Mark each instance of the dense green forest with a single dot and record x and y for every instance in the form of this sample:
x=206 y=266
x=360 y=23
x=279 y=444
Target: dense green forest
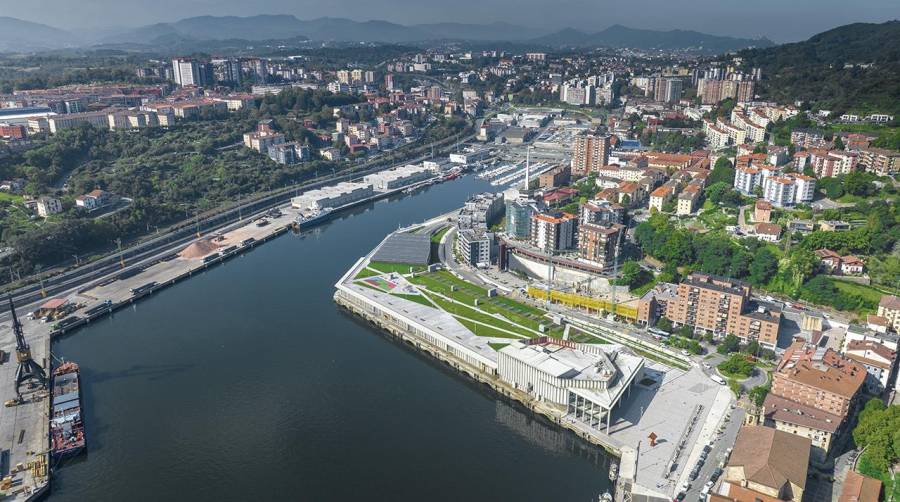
x=850 y=68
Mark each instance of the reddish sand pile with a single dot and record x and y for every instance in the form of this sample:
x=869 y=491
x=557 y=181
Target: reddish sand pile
x=199 y=249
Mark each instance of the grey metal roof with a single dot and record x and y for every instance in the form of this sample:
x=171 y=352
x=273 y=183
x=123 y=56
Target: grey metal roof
x=405 y=248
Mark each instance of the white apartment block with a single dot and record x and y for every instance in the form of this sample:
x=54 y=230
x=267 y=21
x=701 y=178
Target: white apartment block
x=746 y=179
x=788 y=189
x=716 y=137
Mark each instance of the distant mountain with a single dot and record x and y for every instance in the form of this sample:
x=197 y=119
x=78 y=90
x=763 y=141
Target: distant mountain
x=849 y=68
x=618 y=36
x=273 y=27
x=19 y=35
x=484 y=32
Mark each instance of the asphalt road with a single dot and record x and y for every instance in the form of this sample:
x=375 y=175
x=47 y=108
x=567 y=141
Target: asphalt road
x=718 y=455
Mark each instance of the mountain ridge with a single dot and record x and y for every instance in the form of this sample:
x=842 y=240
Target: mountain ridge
x=618 y=36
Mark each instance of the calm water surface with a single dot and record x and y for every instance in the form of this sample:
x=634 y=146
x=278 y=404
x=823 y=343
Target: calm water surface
x=246 y=382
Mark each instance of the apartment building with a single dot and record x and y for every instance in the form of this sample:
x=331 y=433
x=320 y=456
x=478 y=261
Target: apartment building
x=600 y=244
x=661 y=196
x=668 y=90
x=753 y=132
x=187 y=72
x=789 y=189
x=818 y=377
x=59 y=122
x=879 y=361
x=553 y=232
x=808 y=138
x=880 y=161
x=716 y=136
x=746 y=179
x=712 y=91
x=830 y=163
x=889 y=308
x=601 y=213
x=723 y=306
x=589 y=153
x=556 y=177
x=688 y=200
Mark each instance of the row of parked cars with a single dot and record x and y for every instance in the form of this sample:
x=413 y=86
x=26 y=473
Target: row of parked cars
x=695 y=472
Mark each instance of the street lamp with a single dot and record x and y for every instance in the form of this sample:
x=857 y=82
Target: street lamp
x=121 y=255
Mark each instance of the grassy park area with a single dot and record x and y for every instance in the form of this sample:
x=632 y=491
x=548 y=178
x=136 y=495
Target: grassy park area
x=397 y=268
x=475 y=304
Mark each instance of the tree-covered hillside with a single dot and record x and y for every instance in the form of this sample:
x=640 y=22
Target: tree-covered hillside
x=850 y=68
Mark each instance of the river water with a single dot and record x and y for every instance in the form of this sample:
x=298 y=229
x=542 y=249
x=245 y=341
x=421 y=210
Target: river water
x=246 y=382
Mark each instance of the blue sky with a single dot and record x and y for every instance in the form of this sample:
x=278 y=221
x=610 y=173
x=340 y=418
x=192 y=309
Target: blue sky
x=780 y=20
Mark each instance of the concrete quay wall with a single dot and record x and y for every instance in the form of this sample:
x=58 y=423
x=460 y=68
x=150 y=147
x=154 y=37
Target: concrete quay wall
x=553 y=414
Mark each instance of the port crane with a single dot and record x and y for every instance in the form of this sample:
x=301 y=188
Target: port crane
x=29 y=370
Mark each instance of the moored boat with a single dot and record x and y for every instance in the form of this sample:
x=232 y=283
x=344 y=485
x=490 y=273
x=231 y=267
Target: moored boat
x=66 y=425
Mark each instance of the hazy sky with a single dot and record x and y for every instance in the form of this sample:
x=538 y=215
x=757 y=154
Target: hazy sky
x=780 y=20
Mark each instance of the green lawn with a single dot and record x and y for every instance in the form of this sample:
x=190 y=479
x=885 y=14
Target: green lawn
x=497 y=346
x=716 y=219
x=487 y=331
x=6 y=196
x=869 y=293
x=437 y=236
x=463 y=311
x=366 y=272
x=582 y=337
x=416 y=298
x=467 y=293
x=642 y=290
x=399 y=268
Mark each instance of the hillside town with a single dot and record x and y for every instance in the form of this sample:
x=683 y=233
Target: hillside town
x=665 y=257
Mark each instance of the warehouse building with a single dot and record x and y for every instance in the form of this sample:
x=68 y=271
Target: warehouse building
x=333 y=196
x=398 y=177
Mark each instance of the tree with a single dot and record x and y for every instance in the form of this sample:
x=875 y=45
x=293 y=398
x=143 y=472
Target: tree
x=632 y=275
x=686 y=331
x=763 y=267
x=859 y=183
x=664 y=324
x=758 y=394
x=737 y=365
x=729 y=344
x=838 y=143
x=831 y=187
x=723 y=171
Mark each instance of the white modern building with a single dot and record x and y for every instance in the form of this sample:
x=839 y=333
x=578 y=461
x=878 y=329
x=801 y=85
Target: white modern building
x=587 y=379
x=333 y=196
x=398 y=177
x=746 y=179
x=186 y=72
